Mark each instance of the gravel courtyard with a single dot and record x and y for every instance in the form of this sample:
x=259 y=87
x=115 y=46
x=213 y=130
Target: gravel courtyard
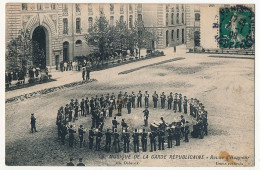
x=224 y=85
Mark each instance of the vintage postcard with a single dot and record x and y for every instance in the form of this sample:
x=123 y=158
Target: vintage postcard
x=130 y=84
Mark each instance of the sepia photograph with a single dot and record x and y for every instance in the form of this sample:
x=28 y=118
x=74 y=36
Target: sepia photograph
x=129 y=84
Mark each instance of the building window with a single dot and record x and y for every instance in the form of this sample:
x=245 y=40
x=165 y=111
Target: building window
x=177 y=7
x=172 y=18
x=111 y=8
x=90 y=22
x=172 y=35
x=182 y=18
x=140 y=17
x=167 y=18
x=167 y=8
x=130 y=8
x=77 y=7
x=178 y=34
x=197 y=17
x=111 y=20
x=177 y=18
x=78 y=43
x=65 y=26
x=53 y=6
x=130 y=21
x=121 y=18
x=39 y=7
x=121 y=9
x=78 y=25
x=24 y=6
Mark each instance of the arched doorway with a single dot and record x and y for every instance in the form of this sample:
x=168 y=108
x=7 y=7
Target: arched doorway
x=66 y=51
x=39 y=38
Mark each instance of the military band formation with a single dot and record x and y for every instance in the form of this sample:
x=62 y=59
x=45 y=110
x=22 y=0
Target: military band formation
x=107 y=107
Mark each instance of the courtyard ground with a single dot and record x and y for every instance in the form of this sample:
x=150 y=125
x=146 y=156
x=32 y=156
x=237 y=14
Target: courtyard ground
x=224 y=85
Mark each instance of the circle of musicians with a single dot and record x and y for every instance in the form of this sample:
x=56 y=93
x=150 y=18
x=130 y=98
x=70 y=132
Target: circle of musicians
x=99 y=108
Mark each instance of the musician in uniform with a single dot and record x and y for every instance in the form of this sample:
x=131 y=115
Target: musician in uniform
x=133 y=99
x=71 y=135
x=86 y=106
x=170 y=137
x=82 y=107
x=128 y=106
x=201 y=128
x=155 y=99
x=81 y=132
x=152 y=137
x=64 y=132
x=182 y=124
x=136 y=141
x=180 y=103
x=139 y=99
x=185 y=101
x=33 y=123
x=146 y=115
x=175 y=102
x=114 y=124
x=170 y=99
x=126 y=139
x=187 y=131
x=91 y=137
x=144 y=140
x=178 y=133
x=80 y=162
x=110 y=110
x=163 y=98
x=161 y=141
x=98 y=139
x=76 y=113
x=108 y=140
x=92 y=104
x=116 y=141
x=70 y=163
x=191 y=107
x=146 y=99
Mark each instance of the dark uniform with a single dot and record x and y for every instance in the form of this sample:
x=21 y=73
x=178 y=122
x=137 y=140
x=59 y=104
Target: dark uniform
x=82 y=107
x=136 y=141
x=91 y=135
x=180 y=103
x=33 y=123
x=70 y=163
x=152 y=137
x=108 y=140
x=175 y=100
x=191 y=106
x=144 y=140
x=133 y=100
x=64 y=132
x=163 y=98
x=116 y=142
x=81 y=133
x=161 y=141
x=146 y=99
x=86 y=106
x=126 y=139
x=80 y=162
x=92 y=104
x=110 y=110
x=170 y=99
x=201 y=128
x=129 y=106
x=98 y=139
x=114 y=124
x=155 y=99
x=139 y=99
x=178 y=134
x=185 y=101
x=76 y=114
x=71 y=136
x=146 y=115
x=187 y=131
x=170 y=137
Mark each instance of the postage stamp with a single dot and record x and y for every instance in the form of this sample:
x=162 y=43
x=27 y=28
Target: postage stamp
x=129 y=85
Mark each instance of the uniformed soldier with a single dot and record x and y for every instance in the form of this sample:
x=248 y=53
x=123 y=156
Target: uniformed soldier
x=170 y=137
x=187 y=131
x=182 y=125
x=71 y=136
x=101 y=100
x=146 y=99
x=110 y=110
x=81 y=132
x=139 y=99
x=70 y=163
x=64 y=132
x=178 y=133
x=92 y=104
x=161 y=140
x=144 y=140
x=76 y=113
x=98 y=139
x=133 y=99
x=170 y=99
x=155 y=99
x=70 y=114
x=146 y=115
x=114 y=124
x=33 y=123
x=86 y=106
x=201 y=128
x=129 y=106
x=120 y=106
x=175 y=100
x=76 y=102
x=96 y=100
x=152 y=137
x=82 y=107
x=72 y=103
x=116 y=141
x=119 y=96
x=108 y=140
x=91 y=135
x=124 y=125
x=180 y=103
x=59 y=125
x=185 y=101
x=163 y=98
x=136 y=141
x=126 y=139
x=80 y=162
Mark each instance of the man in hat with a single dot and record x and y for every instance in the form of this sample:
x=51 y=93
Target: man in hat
x=133 y=99
x=114 y=123
x=92 y=104
x=139 y=99
x=191 y=107
x=178 y=133
x=116 y=141
x=161 y=140
x=110 y=110
x=91 y=135
x=82 y=107
x=98 y=139
x=152 y=137
x=70 y=163
x=128 y=105
x=88 y=73
x=81 y=133
x=108 y=140
x=83 y=73
x=185 y=101
x=187 y=131
x=71 y=135
x=146 y=99
x=144 y=140
x=146 y=115
x=170 y=137
x=170 y=99
x=136 y=141
x=201 y=128
x=163 y=98
x=175 y=100
x=126 y=139
x=86 y=106
x=180 y=103
x=80 y=162
x=155 y=99
x=33 y=123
